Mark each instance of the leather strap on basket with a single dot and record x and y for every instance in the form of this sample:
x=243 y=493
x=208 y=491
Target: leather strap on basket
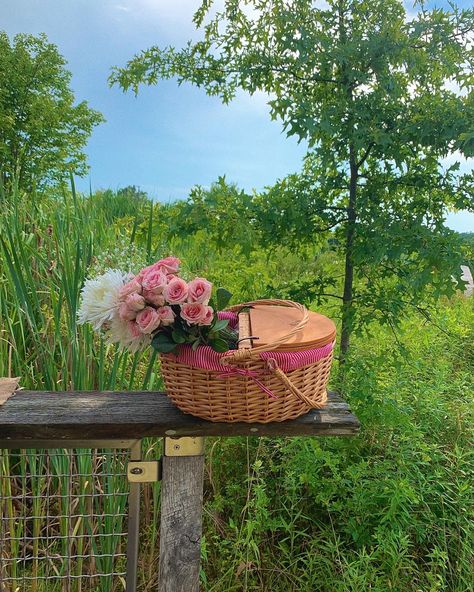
x=240 y=355
x=278 y=372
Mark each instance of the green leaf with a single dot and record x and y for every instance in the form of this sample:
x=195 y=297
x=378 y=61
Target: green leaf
x=163 y=343
x=196 y=344
x=223 y=298
x=219 y=345
x=220 y=324
x=179 y=336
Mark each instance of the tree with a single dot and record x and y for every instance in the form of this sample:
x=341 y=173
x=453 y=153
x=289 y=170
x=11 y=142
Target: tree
x=375 y=94
x=42 y=131
x=223 y=210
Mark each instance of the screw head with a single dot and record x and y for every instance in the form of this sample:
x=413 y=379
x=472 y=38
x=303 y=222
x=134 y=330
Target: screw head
x=136 y=471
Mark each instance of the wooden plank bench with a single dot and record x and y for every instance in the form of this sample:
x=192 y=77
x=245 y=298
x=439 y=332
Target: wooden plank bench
x=55 y=419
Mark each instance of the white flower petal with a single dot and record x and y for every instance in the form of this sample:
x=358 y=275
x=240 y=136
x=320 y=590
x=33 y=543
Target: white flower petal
x=100 y=298
x=119 y=332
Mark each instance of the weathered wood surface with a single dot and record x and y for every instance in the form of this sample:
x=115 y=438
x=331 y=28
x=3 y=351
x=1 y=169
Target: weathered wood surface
x=35 y=415
x=181 y=523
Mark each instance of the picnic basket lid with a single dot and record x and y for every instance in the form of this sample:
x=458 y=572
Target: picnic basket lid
x=271 y=323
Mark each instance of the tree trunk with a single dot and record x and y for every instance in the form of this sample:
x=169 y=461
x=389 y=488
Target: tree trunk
x=348 y=293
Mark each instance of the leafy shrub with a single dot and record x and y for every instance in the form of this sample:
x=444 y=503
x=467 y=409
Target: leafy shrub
x=388 y=510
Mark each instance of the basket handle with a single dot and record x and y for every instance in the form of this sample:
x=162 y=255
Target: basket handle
x=245 y=354
x=314 y=404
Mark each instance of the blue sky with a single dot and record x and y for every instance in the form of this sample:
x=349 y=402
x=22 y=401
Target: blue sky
x=169 y=138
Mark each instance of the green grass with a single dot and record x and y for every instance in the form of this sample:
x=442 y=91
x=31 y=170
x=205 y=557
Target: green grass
x=58 y=504
x=389 y=510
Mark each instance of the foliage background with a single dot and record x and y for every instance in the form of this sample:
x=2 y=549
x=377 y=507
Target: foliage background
x=42 y=131
x=363 y=223
x=388 y=510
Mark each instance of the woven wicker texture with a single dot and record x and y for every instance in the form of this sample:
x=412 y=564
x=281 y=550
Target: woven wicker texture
x=239 y=397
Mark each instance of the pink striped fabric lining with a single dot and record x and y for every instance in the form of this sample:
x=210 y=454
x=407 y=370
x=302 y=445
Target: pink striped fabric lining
x=230 y=316
x=205 y=357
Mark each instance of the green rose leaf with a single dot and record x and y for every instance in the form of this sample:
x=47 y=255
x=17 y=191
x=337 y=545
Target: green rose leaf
x=223 y=297
x=178 y=336
x=219 y=345
x=221 y=324
x=163 y=343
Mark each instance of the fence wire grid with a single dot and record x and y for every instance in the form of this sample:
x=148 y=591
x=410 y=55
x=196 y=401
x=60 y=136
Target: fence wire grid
x=63 y=520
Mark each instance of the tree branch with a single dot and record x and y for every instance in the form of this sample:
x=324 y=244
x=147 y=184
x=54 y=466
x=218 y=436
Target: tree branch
x=366 y=155
x=330 y=295
x=331 y=225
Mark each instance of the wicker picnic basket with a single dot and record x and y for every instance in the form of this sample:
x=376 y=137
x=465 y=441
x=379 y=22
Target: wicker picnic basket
x=274 y=381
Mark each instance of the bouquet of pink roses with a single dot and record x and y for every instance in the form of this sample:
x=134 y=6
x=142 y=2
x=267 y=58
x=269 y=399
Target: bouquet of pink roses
x=156 y=307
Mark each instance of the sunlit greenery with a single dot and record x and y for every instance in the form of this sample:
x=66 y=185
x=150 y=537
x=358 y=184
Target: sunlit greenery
x=358 y=234
x=381 y=96
x=388 y=510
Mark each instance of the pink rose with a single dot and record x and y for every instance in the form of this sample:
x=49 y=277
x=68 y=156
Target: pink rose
x=142 y=272
x=208 y=316
x=152 y=298
x=154 y=281
x=168 y=264
x=176 y=291
x=135 y=302
x=148 y=320
x=131 y=287
x=134 y=329
x=126 y=313
x=199 y=290
x=166 y=315
x=193 y=312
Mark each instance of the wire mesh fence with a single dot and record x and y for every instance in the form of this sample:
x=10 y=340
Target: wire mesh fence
x=63 y=520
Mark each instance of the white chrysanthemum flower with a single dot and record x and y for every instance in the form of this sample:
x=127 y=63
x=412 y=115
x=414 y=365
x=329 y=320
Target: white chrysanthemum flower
x=100 y=298
x=120 y=332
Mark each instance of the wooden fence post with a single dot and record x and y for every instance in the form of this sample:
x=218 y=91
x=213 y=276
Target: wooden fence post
x=181 y=514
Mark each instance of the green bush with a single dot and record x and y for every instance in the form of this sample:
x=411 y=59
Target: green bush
x=389 y=510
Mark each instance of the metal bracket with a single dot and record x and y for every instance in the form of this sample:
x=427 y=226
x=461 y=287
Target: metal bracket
x=140 y=471
x=185 y=446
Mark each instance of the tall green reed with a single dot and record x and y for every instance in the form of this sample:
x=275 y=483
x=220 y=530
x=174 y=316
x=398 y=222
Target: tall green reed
x=48 y=245
x=46 y=251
